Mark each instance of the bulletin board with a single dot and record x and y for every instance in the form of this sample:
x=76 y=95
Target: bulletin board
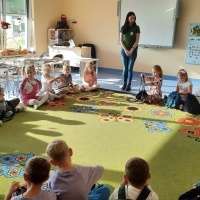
x=193 y=47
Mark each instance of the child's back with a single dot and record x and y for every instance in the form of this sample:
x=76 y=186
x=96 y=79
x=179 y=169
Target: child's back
x=74 y=184
x=70 y=182
x=43 y=195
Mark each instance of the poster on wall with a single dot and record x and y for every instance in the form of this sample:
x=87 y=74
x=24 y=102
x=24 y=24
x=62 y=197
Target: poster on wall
x=193 y=47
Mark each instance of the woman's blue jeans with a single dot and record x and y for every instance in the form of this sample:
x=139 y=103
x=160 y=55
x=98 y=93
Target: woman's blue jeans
x=128 y=63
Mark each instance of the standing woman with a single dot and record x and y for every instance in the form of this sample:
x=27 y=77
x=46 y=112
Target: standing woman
x=129 y=39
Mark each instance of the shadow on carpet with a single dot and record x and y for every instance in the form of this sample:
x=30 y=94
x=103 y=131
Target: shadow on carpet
x=105 y=128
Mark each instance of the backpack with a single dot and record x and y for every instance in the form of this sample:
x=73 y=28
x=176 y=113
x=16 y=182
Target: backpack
x=142 y=196
x=173 y=100
x=142 y=94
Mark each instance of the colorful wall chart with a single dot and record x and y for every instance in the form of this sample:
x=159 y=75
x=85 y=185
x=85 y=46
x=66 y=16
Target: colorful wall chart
x=193 y=48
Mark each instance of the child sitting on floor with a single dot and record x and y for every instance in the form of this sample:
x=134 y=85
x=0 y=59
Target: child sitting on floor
x=36 y=172
x=155 y=83
x=184 y=86
x=71 y=182
x=8 y=108
x=134 y=182
x=193 y=194
x=47 y=79
x=66 y=83
x=89 y=78
x=30 y=87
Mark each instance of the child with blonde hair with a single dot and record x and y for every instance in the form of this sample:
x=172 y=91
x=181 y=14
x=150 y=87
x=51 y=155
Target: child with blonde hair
x=89 y=78
x=184 y=87
x=47 y=80
x=36 y=173
x=71 y=182
x=155 y=83
x=66 y=83
x=30 y=87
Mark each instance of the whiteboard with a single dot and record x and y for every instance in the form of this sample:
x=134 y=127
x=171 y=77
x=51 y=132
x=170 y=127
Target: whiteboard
x=156 y=19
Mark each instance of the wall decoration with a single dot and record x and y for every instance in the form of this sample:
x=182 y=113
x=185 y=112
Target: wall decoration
x=193 y=48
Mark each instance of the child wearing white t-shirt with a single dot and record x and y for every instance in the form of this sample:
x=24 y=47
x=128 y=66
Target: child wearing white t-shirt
x=47 y=80
x=135 y=182
x=184 y=85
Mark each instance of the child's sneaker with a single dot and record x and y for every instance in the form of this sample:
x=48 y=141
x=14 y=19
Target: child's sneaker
x=9 y=114
x=20 y=109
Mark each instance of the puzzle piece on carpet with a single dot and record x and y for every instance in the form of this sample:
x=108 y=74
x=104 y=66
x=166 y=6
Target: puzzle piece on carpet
x=156 y=126
x=10 y=159
x=11 y=171
x=110 y=117
x=82 y=109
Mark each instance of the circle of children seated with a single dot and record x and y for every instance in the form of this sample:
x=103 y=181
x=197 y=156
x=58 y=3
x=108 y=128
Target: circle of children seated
x=82 y=182
x=35 y=93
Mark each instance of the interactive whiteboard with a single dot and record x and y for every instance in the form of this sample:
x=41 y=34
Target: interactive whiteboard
x=156 y=19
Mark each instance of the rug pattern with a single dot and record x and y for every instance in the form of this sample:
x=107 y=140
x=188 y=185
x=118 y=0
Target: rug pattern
x=97 y=117
x=125 y=113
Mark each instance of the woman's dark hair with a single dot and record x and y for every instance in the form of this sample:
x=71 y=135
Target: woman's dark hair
x=126 y=23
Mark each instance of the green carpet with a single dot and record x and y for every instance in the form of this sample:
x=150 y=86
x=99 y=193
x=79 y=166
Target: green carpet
x=105 y=128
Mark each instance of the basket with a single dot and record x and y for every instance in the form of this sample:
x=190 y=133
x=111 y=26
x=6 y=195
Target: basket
x=12 y=52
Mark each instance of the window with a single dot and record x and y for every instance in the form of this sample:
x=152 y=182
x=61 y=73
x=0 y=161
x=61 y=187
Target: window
x=15 y=13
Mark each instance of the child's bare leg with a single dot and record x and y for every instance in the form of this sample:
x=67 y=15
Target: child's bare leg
x=42 y=99
x=56 y=96
x=33 y=102
x=94 y=87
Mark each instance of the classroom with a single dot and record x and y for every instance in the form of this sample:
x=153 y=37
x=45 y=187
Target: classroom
x=103 y=127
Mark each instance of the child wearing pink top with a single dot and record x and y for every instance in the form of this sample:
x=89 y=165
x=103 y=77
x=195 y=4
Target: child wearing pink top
x=89 y=78
x=155 y=83
x=29 y=88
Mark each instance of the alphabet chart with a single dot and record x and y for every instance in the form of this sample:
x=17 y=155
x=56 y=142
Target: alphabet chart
x=193 y=47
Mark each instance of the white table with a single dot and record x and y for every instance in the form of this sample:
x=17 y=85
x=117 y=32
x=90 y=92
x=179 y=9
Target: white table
x=82 y=62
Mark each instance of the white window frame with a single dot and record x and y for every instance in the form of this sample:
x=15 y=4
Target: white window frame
x=10 y=34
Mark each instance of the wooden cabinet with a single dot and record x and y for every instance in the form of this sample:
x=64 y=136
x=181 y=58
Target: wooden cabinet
x=59 y=37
